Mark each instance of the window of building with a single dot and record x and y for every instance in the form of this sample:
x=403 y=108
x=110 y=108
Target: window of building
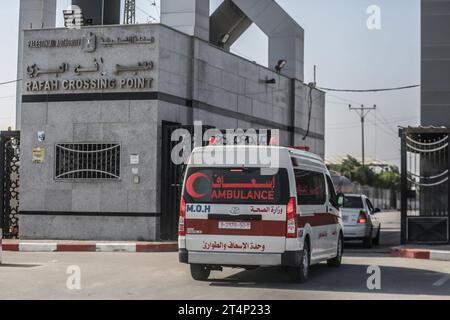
x=311 y=188
x=87 y=161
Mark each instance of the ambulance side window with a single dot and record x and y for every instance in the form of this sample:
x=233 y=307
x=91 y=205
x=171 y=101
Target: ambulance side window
x=311 y=189
x=333 y=197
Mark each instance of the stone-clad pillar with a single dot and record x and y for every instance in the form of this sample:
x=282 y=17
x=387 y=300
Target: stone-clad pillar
x=286 y=37
x=33 y=14
x=188 y=16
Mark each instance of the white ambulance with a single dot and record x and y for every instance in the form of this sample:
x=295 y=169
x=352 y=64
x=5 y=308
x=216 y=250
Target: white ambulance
x=251 y=215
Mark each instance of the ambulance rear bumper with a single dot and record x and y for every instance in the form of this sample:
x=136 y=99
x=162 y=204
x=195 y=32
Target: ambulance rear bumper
x=288 y=258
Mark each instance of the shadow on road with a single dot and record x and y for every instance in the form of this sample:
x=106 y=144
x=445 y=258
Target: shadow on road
x=347 y=278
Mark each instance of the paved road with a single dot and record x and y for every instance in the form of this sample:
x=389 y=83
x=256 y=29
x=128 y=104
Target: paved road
x=160 y=276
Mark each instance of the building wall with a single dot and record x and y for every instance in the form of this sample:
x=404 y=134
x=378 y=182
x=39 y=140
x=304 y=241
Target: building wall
x=192 y=80
x=229 y=91
x=33 y=14
x=435 y=63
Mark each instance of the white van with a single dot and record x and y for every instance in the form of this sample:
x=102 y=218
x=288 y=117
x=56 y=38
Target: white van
x=245 y=216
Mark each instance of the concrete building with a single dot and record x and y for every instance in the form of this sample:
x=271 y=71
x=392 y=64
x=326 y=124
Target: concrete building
x=34 y=14
x=95 y=102
x=435 y=109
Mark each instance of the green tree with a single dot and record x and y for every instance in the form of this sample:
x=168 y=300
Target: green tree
x=390 y=179
x=356 y=172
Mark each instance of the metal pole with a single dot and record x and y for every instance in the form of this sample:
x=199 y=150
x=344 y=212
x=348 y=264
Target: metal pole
x=293 y=113
x=403 y=187
x=315 y=75
x=448 y=191
x=362 y=141
x=362 y=112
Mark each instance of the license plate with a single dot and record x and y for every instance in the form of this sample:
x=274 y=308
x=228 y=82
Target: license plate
x=345 y=218
x=227 y=225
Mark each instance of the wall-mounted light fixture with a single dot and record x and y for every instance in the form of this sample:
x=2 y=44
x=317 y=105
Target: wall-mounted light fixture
x=280 y=65
x=224 y=39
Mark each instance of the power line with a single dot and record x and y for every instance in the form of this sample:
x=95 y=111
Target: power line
x=11 y=81
x=363 y=112
x=7 y=97
x=344 y=99
x=146 y=13
x=391 y=129
x=350 y=125
x=153 y=3
x=387 y=127
x=337 y=102
x=370 y=90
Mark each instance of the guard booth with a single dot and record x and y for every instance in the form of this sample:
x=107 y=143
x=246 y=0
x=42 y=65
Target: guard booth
x=425 y=178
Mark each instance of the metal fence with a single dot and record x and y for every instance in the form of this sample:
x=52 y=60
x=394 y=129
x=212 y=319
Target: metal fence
x=384 y=199
x=425 y=185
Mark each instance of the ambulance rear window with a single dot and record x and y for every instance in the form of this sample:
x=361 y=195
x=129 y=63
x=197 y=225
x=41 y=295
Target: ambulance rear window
x=235 y=186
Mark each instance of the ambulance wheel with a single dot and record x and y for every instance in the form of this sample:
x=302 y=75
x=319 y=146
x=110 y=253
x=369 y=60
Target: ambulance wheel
x=336 y=261
x=300 y=273
x=199 y=272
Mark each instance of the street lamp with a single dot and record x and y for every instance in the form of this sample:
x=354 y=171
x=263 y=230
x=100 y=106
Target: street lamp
x=280 y=65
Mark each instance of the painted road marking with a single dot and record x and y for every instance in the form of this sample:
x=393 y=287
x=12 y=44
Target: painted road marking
x=441 y=281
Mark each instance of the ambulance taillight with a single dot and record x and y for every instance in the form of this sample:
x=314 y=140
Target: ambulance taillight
x=291 y=218
x=182 y=219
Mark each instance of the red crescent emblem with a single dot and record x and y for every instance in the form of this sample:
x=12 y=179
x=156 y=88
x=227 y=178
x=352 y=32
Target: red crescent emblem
x=190 y=185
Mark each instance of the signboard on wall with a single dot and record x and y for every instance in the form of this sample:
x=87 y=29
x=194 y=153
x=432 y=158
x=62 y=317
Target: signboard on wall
x=81 y=61
x=38 y=155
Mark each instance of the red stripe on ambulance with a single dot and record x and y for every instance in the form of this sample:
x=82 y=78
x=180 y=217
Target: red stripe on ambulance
x=318 y=220
x=258 y=228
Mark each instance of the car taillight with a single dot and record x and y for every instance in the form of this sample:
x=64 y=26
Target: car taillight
x=182 y=220
x=291 y=219
x=362 y=219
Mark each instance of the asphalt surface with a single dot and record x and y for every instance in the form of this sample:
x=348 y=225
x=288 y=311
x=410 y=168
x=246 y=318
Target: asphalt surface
x=160 y=276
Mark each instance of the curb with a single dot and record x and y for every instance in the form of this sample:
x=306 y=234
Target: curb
x=90 y=247
x=423 y=254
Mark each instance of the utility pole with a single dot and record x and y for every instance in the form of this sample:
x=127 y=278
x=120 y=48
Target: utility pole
x=362 y=112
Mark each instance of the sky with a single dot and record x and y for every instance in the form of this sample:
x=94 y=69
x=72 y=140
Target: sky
x=348 y=55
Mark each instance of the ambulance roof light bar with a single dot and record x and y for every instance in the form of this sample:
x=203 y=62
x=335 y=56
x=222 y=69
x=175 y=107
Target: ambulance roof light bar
x=302 y=148
x=273 y=141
